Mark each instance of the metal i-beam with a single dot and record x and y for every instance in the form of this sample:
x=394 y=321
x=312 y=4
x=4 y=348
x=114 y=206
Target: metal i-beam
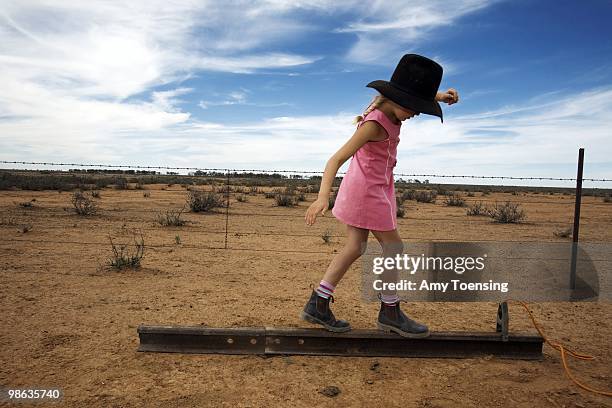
x=375 y=343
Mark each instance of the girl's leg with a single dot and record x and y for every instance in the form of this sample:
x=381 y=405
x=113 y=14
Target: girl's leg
x=317 y=308
x=391 y=318
x=392 y=245
x=357 y=239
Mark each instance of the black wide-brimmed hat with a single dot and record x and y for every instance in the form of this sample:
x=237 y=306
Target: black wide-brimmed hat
x=414 y=85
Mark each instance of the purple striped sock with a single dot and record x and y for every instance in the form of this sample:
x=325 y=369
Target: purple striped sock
x=390 y=299
x=325 y=289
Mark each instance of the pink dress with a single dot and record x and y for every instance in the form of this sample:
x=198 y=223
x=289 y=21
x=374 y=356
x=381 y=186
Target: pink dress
x=366 y=197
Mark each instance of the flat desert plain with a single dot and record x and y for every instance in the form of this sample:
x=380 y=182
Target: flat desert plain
x=68 y=322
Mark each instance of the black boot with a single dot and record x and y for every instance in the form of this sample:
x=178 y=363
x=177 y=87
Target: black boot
x=392 y=319
x=317 y=311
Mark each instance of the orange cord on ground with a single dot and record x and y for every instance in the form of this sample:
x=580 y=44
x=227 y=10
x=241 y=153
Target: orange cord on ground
x=562 y=349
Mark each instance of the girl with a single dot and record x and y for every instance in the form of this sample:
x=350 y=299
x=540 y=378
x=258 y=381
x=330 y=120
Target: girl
x=366 y=196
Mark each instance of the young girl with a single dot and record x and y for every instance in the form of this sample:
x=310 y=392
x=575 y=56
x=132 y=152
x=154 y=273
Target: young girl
x=366 y=197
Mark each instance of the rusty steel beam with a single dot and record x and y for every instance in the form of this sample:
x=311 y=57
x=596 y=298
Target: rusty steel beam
x=374 y=343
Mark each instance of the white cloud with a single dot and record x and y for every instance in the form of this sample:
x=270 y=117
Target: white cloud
x=533 y=140
x=516 y=140
x=61 y=60
x=388 y=28
x=78 y=82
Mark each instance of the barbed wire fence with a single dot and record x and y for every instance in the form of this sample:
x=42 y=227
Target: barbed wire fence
x=233 y=183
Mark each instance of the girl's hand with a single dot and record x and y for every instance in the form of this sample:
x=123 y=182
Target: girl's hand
x=451 y=96
x=318 y=206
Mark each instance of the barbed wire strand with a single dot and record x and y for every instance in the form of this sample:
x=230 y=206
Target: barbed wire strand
x=224 y=170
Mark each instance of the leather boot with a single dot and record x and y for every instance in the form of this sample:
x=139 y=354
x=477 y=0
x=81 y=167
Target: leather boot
x=317 y=311
x=392 y=319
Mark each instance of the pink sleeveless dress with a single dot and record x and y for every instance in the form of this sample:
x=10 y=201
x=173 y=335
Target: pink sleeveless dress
x=366 y=197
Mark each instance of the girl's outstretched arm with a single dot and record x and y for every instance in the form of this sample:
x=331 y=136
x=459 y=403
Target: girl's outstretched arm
x=450 y=96
x=370 y=130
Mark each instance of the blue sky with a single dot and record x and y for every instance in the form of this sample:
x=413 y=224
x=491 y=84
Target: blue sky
x=275 y=84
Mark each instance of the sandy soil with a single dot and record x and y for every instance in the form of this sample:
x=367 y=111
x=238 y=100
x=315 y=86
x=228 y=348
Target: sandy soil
x=67 y=323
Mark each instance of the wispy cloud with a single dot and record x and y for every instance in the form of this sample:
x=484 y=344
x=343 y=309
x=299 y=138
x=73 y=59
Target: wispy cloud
x=523 y=141
x=389 y=27
x=238 y=98
x=517 y=139
x=63 y=59
x=105 y=81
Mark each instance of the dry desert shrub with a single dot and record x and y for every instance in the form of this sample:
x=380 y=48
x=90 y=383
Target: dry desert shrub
x=83 y=205
x=253 y=190
x=204 y=201
x=326 y=236
x=563 y=233
x=426 y=197
x=507 y=213
x=171 y=218
x=408 y=195
x=454 y=200
x=285 y=200
x=125 y=256
x=477 y=209
x=121 y=183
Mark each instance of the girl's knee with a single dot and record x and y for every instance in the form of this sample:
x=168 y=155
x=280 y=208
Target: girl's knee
x=356 y=249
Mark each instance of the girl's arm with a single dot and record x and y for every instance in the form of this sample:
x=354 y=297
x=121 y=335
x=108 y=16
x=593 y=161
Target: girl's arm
x=370 y=130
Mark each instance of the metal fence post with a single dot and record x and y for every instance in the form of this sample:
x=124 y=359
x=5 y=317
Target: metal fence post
x=576 y=218
x=227 y=192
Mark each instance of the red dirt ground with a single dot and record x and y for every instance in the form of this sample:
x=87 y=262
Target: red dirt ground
x=68 y=323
